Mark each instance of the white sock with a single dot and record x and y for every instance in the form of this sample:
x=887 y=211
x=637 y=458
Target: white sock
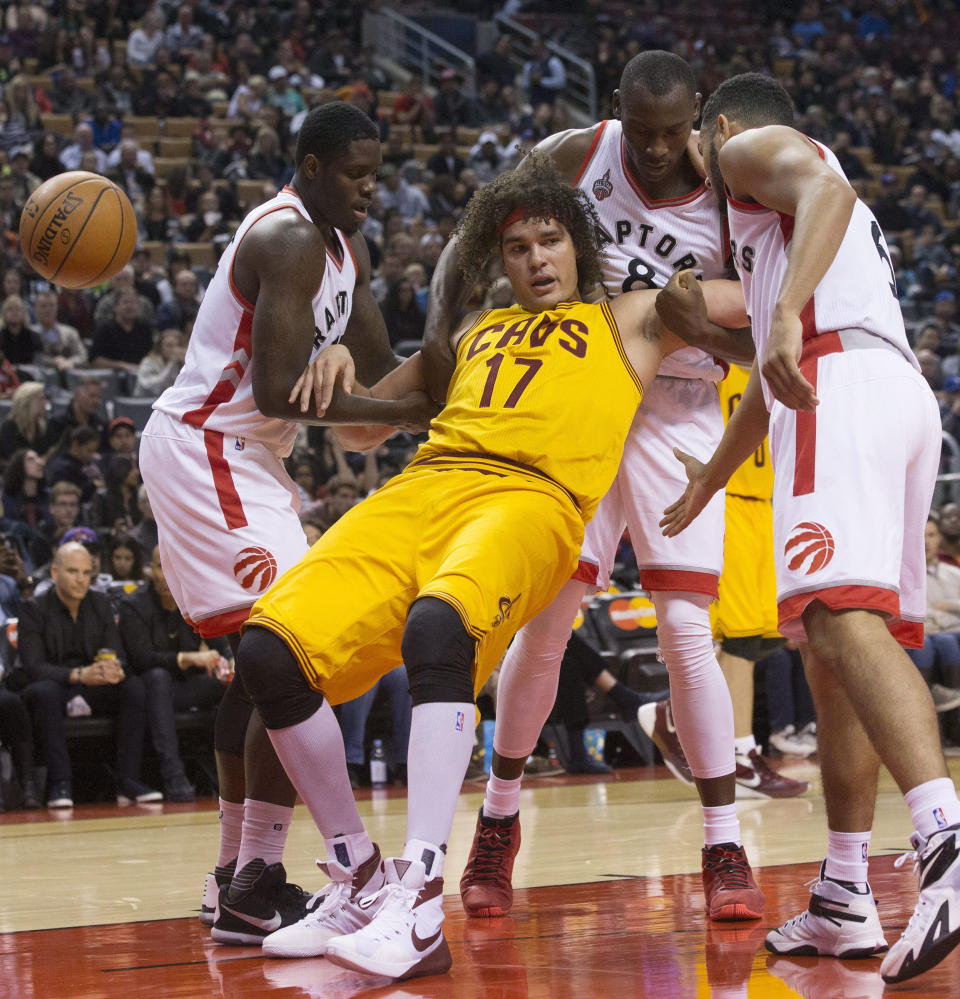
x=744 y=744
x=312 y=754
x=265 y=828
x=502 y=799
x=431 y=855
x=441 y=741
x=231 y=831
x=721 y=825
x=933 y=806
x=350 y=850
x=847 y=856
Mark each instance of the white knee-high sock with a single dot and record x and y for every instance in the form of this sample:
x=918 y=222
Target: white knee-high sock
x=441 y=741
x=528 y=676
x=699 y=697
x=312 y=754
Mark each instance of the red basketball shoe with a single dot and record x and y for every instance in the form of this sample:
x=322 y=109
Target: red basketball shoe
x=485 y=887
x=728 y=885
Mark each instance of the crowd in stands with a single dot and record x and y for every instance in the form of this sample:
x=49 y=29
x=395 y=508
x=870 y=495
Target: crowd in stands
x=193 y=109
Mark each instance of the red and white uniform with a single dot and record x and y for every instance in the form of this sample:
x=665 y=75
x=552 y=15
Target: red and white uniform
x=853 y=479
x=226 y=510
x=649 y=241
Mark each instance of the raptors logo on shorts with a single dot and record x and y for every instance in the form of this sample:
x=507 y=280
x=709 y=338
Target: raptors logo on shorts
x=255 y=568
x=810 y=545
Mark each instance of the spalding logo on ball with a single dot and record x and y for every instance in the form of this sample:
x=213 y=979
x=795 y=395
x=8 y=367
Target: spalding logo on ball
x=255 y=568
x=78 y=229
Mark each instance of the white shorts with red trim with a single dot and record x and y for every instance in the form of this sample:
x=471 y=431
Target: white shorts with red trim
x=853 y=484
x=227 y=517
x=676 y=412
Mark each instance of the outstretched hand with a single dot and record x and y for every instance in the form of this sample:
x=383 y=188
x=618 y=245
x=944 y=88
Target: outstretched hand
x=695 y=497
x=320 y=376
x=681 y=305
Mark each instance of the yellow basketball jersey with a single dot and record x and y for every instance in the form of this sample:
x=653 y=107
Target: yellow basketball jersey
x=754 y=478
x=552 y=391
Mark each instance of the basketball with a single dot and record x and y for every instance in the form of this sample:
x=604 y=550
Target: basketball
x=78 y=229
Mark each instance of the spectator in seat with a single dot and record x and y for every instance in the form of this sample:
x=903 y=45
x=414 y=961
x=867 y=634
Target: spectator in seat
x=115 y=506
x=413 y=107
x=544 y=76
x=120 y=437
x=159 y=369
x=124 y=559
x=46 y=162
x=64 y=512
x=81 y=411
x=180 y=670
x=19 y=341
x=146 y=39
x=62 y=347
x=72 y=156
x=402 y=314
x=72 y=465
x=446 y=160
x=70 y=650
x=124 y=341
x=452 y=107
x=26 y=426
x=181 y=311
x=130 y=175
x=146 y=531
x=394 y=192
x=26 y=497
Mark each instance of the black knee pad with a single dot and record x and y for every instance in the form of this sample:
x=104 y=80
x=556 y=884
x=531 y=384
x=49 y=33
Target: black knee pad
x=438 y=653
x=747 y=647
x=770 y=645
x=233 y=716
x=273 y=679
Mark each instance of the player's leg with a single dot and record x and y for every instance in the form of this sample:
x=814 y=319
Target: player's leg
x=304 y=731
x=841 y=919
x=455 y=634
x=526 y=693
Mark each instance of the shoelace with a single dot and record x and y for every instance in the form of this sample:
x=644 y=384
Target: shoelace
x=393 y=916
x=732 y=869
x=328 y=899
x=491 y=846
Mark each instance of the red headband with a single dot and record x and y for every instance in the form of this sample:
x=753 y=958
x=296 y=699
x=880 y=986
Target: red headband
x=517 y=215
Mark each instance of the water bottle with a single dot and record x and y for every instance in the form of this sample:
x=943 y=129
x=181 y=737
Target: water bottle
x=378 y=764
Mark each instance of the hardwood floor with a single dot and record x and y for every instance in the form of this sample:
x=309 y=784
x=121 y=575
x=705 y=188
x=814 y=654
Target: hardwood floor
x=101 y=903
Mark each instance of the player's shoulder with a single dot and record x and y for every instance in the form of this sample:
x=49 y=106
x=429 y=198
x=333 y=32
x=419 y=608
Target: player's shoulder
x=281 y=236
x=568 y=149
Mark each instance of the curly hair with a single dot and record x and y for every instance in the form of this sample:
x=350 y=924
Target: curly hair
x=534 y=188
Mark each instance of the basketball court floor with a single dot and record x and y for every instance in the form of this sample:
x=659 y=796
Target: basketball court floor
x=101 y=902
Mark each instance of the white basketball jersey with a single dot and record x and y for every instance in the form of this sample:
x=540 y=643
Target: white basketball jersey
x=215 y=388
x=858 y=291
x=649 y=240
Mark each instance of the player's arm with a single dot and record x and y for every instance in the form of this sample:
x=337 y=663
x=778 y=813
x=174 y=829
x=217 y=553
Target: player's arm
x=449 y=289
x=710 y=315
x=284 y=255
x=743 y=434
x=782 y=169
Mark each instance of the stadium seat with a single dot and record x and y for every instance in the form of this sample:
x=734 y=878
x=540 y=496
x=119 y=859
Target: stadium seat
x=133 y=406
x=181 y=127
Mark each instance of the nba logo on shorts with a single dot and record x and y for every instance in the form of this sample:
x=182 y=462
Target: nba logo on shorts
x=939 y=818
x=459 y=725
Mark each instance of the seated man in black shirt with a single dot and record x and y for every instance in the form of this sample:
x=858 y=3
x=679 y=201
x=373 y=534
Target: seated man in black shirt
x=71 y=465
x=179 y=669
x=70 y=648
x=124 y=341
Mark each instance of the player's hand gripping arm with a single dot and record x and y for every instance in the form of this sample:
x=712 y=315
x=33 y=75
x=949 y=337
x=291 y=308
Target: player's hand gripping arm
x=744 y=433
x=782 y=169
x=724 y=333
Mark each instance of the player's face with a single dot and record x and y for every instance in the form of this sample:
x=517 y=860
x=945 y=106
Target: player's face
x=655 y=130
x=344 y=187
x=540 y=261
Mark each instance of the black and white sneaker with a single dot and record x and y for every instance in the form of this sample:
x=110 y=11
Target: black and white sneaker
x=840 y=921
x=934 y=927
x=212 y=884
x=246 y=916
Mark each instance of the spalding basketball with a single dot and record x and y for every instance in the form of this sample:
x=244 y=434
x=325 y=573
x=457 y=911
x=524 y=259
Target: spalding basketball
x=78 y=229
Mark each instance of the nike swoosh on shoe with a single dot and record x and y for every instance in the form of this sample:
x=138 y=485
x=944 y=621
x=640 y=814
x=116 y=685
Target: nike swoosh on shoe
x=422 y=945
x=267 y=925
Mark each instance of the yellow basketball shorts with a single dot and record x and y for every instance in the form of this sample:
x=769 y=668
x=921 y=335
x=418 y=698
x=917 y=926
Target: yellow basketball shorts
x=747 y=604
x=497 y=547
